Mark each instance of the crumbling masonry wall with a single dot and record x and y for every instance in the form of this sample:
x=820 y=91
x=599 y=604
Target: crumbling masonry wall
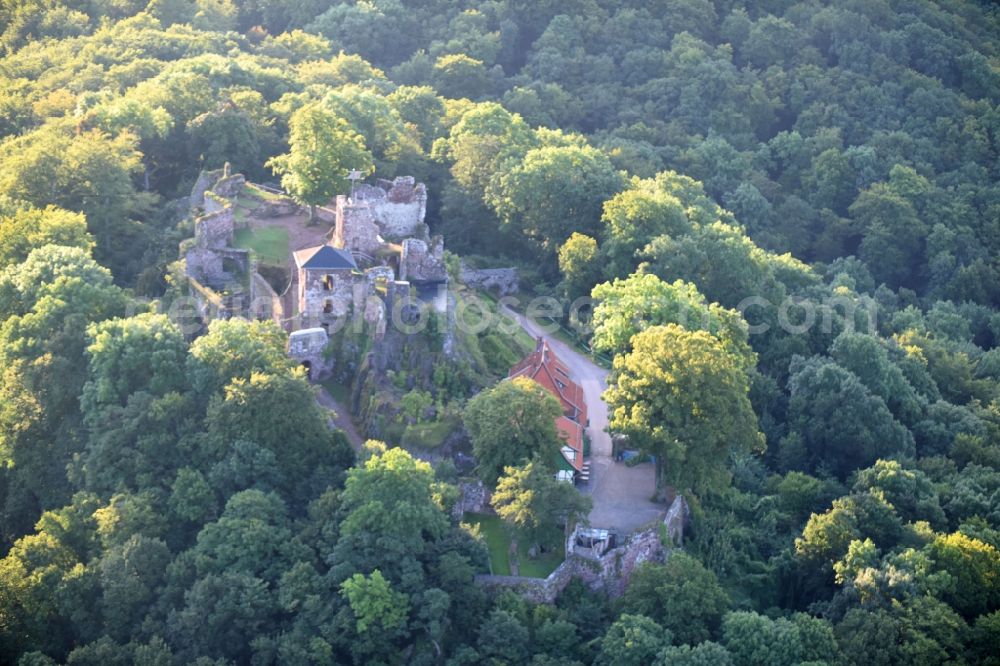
x=502 y=281
x=229 y=186
x=398 y=207
x=210 y=262
x=214 y=230
x=376 y=214
x=356 y=230
x=420 y=261
x=609 y=572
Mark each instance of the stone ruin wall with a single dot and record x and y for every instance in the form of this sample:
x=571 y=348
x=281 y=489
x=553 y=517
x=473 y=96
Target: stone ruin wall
x=355 y=228
x=273 y=307
x=238 y=256
x=279 y=208
x=678 y=517
x=391 y=210
x=209 y=260
x=204 y=183
x=213 y=237
x=609 y=572
x=377 y=279
x=473 y=497
x=220 y=181
x=401 y=220
x=229 y=186
x=420 y=261
x=502 y=281
x=205 y=266
x=214 y=203
x=375 y=316
x=402 y=213
x=307 y=346
x=215 y=230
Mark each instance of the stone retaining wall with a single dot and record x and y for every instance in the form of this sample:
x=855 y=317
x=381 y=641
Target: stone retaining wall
x=609 y=573
x=502 y=281
x=277 y=208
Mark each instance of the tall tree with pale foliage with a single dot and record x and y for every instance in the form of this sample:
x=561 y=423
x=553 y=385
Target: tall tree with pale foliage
x=535 y=505
x=682 y=396
x=324 y=149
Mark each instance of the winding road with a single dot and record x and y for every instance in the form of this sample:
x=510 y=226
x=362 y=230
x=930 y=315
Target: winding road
x=622 y=495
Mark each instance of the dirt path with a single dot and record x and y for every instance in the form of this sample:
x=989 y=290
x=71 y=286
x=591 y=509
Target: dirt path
x=621 y=494
x=341 y=417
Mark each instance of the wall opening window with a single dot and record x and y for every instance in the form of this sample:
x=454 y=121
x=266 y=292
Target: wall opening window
x=328 y=282
x=327 y=306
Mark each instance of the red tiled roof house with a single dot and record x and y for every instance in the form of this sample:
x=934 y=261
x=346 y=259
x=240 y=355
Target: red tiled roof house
x=543 y=366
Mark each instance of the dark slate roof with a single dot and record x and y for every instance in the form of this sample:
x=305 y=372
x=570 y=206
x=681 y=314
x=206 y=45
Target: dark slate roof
x=329 y=258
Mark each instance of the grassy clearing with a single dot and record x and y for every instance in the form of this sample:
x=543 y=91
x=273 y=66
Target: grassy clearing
x=428 y=435
x=522 y=341
x=498 y=543
x=526 y=343
x=542 y=566
x=270 y=243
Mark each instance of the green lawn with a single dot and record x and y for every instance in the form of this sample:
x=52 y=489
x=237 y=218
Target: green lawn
x=540 y=567
x=527 y=343
x=270 y=243
x=522 y=339
x=498 y=543
x=428 y=435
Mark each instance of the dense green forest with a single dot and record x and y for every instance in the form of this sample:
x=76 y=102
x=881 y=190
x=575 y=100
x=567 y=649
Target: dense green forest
x=787 y=213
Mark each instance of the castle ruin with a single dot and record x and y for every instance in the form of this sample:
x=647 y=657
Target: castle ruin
x=378 y=265
x=220 y=276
